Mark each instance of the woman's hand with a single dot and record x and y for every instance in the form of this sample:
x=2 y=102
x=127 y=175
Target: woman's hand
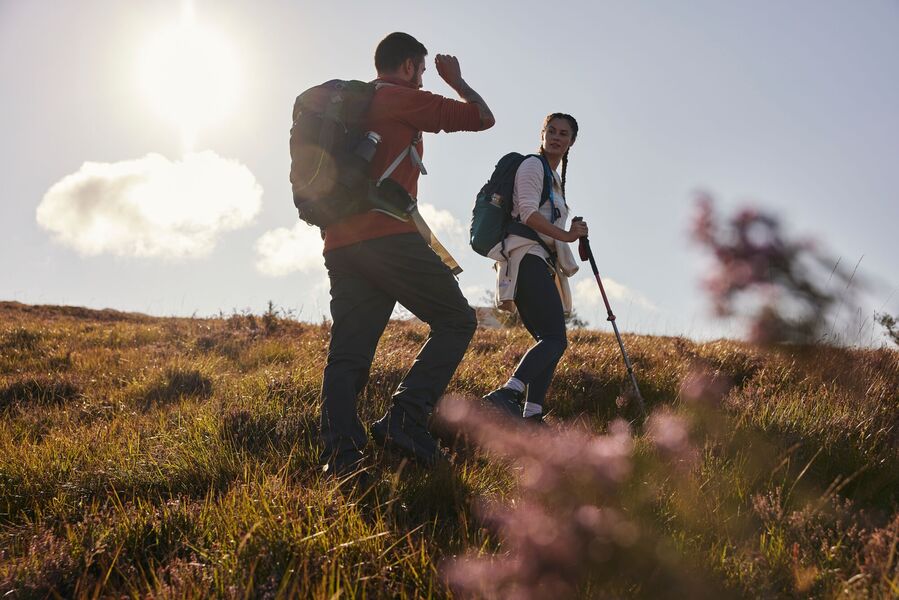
x=577 y=230
x=541 y=224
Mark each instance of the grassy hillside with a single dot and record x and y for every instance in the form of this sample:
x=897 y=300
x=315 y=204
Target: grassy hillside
x=176 y=458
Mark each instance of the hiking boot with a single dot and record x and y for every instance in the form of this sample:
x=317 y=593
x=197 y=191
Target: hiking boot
x=394 y=432
x=348 y=470
x=506 y=400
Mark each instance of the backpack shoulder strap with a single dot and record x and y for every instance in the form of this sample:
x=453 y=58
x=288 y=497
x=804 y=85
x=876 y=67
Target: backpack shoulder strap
x=411 y=151
x=548 y=181
x=408 y=150
x=516 y=227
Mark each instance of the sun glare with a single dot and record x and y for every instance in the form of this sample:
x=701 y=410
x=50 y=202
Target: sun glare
x=190 y=76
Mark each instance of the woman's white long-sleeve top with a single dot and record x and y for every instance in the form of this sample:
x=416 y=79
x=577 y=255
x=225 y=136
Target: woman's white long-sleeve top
x=525 y=202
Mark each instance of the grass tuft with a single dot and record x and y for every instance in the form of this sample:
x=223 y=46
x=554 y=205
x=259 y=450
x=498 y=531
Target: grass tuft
x=177 y=383
x=38 y=390
x=21 y=339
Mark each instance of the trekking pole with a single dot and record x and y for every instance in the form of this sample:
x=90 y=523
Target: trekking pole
x=586 y=254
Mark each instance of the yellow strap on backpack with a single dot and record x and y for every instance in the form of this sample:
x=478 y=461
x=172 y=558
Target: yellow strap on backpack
x=433 y=242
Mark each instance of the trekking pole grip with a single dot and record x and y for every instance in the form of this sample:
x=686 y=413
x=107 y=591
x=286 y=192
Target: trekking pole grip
x=583 y=244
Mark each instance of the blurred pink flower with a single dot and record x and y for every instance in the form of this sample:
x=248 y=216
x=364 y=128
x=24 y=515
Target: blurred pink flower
x=704 y=386
x=549 y=535
x=668 y=431
x=753 y=257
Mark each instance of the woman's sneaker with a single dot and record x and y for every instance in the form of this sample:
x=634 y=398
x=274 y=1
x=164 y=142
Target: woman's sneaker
x=506 y=400
x=535 y=419
x=532 y=417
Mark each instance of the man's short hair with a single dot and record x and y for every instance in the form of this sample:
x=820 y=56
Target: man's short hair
x=394 y=49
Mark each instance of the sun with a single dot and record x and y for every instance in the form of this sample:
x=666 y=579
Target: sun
x=190 y=75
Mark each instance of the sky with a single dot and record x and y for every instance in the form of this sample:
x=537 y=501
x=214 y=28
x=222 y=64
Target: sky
x=146 y=169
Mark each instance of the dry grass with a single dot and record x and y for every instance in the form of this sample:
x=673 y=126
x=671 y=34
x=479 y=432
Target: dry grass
x=176 y=458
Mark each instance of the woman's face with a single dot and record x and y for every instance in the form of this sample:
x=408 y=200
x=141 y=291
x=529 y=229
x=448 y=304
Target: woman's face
x=557 y=137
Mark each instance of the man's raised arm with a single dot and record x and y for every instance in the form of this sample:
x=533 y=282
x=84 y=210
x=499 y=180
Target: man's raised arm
x=449 y=70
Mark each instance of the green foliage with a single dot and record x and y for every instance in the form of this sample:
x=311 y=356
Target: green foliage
x=146 y=457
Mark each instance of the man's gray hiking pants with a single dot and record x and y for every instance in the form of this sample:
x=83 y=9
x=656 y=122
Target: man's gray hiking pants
x=367 y=279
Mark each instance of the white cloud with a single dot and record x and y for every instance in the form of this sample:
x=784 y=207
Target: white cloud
x=477 y=295
x=282 y=251
x=448 y=229
x=151 y=206
x=442 y=222
x=586 y=293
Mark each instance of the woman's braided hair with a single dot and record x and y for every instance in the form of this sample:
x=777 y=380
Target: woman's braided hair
x=573 y=123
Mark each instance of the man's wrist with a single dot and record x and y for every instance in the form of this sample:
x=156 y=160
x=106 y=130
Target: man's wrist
x=462 y=88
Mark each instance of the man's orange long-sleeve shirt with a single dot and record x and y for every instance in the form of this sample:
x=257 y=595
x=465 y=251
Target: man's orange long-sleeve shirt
x=398 y=113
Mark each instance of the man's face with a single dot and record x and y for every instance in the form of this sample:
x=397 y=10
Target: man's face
x=413 y=72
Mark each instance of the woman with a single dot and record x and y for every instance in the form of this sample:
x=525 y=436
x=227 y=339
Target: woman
x=533 y=269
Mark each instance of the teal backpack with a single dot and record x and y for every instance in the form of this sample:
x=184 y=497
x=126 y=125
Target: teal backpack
x=491 y=218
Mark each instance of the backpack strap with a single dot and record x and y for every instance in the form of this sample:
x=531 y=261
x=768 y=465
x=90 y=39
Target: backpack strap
x=548 y=194
x=416 y=157
x=520 y=229
x=516 y=227
x=408 y=150
x=329 y=123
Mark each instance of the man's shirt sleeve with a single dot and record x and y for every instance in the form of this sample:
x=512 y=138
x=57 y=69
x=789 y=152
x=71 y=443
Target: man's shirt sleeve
x=434 y=113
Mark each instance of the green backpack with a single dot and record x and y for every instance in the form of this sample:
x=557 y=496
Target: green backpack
x=491 y=218
x=330 y=156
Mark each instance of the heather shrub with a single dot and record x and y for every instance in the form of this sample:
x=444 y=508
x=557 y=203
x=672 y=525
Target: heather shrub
x=580 y=520
x=779 y=282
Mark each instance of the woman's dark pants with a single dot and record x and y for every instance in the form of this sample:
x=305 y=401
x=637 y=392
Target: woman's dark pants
x=540 y=308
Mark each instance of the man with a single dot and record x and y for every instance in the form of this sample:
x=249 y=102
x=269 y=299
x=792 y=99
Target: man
x=375 y=261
